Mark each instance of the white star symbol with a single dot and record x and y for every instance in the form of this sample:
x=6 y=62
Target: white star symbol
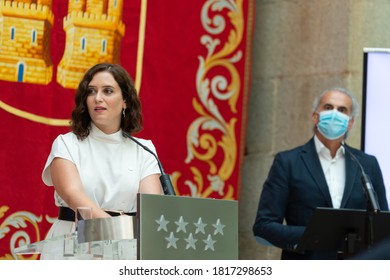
x=218 y=227
x=200 y=226
x=190 y=242
x=209 y=243
x=171 y=241
x=162 y=223
x=181 y=225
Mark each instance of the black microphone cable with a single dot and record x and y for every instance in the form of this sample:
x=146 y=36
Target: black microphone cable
x=164 y=178
x=372 y=201
x=371 y=196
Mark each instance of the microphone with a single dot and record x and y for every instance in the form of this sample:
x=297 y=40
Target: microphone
x=372 y=201
x=164 y=178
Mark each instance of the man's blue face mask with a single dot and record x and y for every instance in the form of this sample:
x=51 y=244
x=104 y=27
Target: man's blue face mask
x=333 y=124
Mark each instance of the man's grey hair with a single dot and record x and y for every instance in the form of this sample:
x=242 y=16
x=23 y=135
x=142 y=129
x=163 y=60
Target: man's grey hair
x=355 y=104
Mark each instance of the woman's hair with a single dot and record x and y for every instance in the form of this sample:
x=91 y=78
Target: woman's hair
x=130 y=123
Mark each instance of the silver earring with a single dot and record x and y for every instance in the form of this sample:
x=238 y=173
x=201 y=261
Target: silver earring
x=124 y=113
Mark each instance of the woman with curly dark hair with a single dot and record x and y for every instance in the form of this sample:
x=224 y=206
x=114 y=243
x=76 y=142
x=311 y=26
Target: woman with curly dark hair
x=95 y=165
x=131 y=120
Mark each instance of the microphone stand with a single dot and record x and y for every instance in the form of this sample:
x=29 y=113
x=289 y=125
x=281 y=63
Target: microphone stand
x=371 y=198
x=164 y=178
x=372 y=208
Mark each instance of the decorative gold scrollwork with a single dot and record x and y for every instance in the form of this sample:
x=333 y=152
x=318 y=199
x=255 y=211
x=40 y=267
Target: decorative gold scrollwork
x=211 y=137
x=16 y=225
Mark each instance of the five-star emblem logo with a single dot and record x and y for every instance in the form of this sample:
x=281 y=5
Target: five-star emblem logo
x=185 y=234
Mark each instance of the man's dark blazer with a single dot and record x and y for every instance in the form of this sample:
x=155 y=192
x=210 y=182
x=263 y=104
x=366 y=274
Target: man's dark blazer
x=296 y=185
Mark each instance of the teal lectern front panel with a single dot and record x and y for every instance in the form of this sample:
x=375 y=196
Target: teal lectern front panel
x=187 y=228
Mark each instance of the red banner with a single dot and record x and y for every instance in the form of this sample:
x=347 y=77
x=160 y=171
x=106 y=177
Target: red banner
x=191 y=64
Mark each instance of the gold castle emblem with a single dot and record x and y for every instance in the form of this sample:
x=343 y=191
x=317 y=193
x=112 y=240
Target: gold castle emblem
x=94 y=30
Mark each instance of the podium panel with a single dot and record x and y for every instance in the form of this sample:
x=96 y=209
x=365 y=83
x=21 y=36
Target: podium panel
x=95 y=239
x=186 y=228
x=343 y=230
x=165 y=228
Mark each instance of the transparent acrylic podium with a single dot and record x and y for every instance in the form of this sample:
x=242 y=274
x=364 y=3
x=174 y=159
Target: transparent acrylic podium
x=165 y=227
x=106 y=239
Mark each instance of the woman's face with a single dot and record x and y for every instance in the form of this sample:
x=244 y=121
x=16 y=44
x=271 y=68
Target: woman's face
x=105 y=102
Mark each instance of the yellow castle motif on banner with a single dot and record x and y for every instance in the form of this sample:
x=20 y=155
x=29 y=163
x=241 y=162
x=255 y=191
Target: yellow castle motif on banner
x=94 y=31
x=25 y=41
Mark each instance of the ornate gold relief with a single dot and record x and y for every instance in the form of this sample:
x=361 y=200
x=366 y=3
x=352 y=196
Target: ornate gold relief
x=17 y=227
x=211 y=137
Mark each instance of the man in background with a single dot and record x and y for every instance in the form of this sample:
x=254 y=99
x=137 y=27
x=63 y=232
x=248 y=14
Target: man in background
x=320 y=173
